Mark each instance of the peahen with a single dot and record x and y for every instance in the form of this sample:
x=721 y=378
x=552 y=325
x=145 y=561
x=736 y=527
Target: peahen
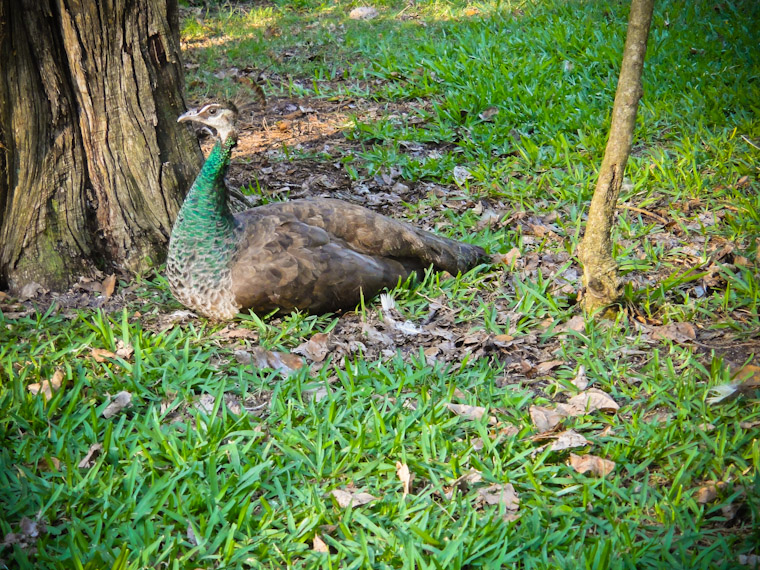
x=318 y=255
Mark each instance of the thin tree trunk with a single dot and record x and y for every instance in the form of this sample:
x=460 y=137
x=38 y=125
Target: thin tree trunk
x=92 y=163
x=600 y=277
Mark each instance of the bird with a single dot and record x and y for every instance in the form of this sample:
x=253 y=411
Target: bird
x=318 y=255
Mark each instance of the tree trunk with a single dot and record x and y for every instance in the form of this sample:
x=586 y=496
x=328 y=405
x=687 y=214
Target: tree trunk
x=600 y=277
x=93 y=165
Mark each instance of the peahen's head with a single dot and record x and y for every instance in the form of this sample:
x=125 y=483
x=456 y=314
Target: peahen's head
x=219 y=116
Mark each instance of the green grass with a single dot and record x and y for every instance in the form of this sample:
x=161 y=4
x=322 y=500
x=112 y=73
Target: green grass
x=254 y=487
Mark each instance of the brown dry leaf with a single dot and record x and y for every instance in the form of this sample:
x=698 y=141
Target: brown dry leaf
x=402 y=472
x=709 y=493
x=92 y=455
x=50 y=464
x=232 y=333
x=746 y=379
x=120 y=401
x=471 y=477
x=459 y=395
x=545 y=419
x=190 y=534
x=749 y=425
x=748 y=374
x=363 y=13
x=592 y=400
x=319 y=544
x=544 y=367
x=101 y=354
x=580 y=381
x=502 y=340
x=576 y=323
x=281 y=361
x=597 y=465
x=29 y=532
x=500 y=494
x=677 y=332
x=569 y=439
x=470 y=412
x=351 y=498
x=510 y=257
x=108 y=285
x=315 y=349
x=47 y=387
x=489 y=113
x=124 y=350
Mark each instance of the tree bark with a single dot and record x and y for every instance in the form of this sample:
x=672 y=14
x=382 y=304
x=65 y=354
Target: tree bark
x=93 y=165
x=600 y=277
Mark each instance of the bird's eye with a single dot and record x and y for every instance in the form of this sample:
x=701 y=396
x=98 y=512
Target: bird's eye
x=212 y=111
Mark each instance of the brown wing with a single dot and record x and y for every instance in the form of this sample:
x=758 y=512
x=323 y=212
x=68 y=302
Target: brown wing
x=322 y=255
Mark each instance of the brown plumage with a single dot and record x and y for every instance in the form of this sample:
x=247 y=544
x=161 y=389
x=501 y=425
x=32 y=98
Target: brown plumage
x=317 y=255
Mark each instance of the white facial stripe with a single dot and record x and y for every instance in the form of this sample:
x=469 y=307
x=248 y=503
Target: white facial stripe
x=205 y=107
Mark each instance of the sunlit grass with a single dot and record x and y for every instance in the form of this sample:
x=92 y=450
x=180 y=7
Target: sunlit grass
x=180 y=485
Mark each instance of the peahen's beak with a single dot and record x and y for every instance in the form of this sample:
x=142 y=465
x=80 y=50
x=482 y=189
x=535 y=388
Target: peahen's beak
x=188 y=116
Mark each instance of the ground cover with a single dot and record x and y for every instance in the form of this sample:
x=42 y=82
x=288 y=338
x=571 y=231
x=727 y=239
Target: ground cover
x=470 y=421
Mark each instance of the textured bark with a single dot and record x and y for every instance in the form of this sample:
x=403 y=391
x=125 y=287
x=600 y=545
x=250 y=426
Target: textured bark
x=93 y=165
x=600 y=277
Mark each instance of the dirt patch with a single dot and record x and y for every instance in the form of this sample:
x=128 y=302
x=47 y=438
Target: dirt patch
x=298 y=148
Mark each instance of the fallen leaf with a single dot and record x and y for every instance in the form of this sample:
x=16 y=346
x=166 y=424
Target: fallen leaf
x=745 y=380
x=459 y=395
x=509 y=430
x=471 y=477
x=354 y=499
x=108 y=285
x=120 y=401
x=190 y=534
x=500 y=494
x=101 y=354
x=545 y=419
x=576 y=323
x=317 y=394
x=569 y=439
x=592 y=400
x=580 y=381
x=315 y=349
x=751 y=560
x=470 y=412
x=596 y=465
x=29 y=532
x=92 y=455
x=47 y=387
x=677 y=332
x=709 y=493
x=319 y=544
x=50 y=464
x=488 y=114
x=363 y=13
x=461 y=174
x=232 y=333
x=124 y=350
x=402 y=472
x=543 y=367
x=511 y=256
x=281 y=361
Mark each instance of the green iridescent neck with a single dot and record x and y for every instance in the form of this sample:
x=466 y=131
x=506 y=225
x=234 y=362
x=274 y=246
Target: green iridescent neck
x=208 y=194
x=205 y=227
